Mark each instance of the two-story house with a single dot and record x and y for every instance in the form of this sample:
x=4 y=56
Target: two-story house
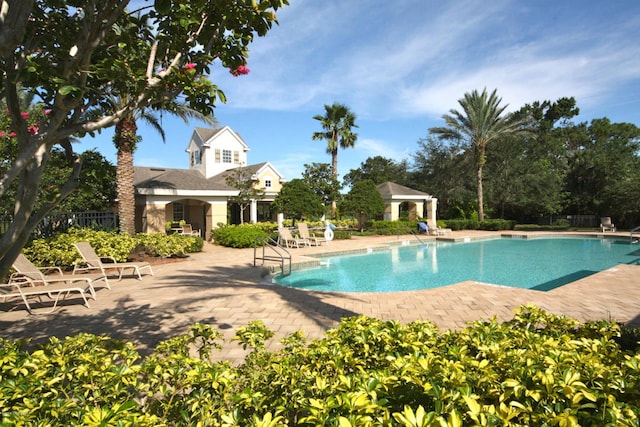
x=200 y=194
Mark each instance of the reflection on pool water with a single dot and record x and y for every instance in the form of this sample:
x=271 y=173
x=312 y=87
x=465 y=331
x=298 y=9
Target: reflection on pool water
x=538 y=263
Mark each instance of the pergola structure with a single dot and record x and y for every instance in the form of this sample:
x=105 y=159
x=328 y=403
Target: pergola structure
x=421 y=206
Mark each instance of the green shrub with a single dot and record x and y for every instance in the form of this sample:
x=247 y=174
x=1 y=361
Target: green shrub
x=239 y=236
x=537 y=369
x=561 y=223
x=384 y=227
x=496 y=224
x=59 y=250
x=536 y=227
x=159 y=244
x=462 y=224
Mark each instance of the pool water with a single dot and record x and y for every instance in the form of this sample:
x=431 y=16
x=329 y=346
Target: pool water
x=539 y=263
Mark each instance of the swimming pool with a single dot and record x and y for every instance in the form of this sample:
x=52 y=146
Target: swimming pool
x=538 y=263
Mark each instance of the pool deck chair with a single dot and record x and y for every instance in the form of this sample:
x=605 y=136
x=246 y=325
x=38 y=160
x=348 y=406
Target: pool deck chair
x=24 y=289
x=286 y=238
x=606 y=225
x=29 y=272
x=91 y=261
x=303 y=231
x=187 y=230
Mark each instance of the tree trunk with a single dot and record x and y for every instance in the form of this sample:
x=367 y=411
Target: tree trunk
x=481 y=161
x=334 y=171
x=125 y=139
x=25 y=219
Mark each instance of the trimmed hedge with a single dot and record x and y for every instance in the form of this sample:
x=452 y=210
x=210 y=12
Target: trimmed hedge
x=239 y=236
x=538 y=369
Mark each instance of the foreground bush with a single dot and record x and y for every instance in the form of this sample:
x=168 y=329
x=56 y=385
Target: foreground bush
x=538 y=369
x=59 y=250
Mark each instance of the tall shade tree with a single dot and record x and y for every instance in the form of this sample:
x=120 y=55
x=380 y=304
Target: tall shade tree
x=337 y=124
x=480 y=123
x=126 y=139
x=379 y=169
x=241 y=179
x=320 y=178
x=363 y=201
x=297 y=200
x=74 y=55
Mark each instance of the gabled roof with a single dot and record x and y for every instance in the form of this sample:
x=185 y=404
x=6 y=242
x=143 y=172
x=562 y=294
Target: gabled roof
x=177 y=179
x=188 y=179
x=391 y=190
x=260 y=167
x=207 y=134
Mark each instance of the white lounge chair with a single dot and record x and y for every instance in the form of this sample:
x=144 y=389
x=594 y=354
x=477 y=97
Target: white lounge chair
x=23 y=289
x=285 y=237
x=187 y=230
x=303 y=231
x=26 y=271
x=91 y=261
x=606 y=225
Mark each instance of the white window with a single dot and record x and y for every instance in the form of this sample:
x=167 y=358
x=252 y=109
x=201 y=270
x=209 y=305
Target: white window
x=196 y=157
x=267 y=183
x=226 y=156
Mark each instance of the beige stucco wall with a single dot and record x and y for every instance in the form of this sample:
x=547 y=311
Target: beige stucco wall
x=218 y=213
x=155 y=218
x=276 y=186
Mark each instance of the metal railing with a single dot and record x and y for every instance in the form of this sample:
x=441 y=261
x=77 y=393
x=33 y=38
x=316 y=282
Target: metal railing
x=280 y=254
x=635 y=231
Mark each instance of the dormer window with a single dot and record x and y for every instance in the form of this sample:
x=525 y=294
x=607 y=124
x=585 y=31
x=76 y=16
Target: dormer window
x=197 y=159
x=267 y=183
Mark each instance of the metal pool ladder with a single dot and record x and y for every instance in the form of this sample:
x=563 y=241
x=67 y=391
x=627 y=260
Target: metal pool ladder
x=635 y=231
x=278 y=253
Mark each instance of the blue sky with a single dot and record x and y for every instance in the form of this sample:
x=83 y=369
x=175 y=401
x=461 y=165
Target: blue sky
x=400 y=65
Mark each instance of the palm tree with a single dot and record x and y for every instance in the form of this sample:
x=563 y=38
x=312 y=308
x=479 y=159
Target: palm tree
x=126 y=139
x=336 y=124
x=480 y=123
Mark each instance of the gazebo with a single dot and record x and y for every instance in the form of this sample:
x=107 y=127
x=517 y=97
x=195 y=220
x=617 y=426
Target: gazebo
x=421 y=206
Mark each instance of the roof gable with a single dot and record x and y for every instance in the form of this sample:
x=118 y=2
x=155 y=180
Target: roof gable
x=392 y=190
x=209 y=136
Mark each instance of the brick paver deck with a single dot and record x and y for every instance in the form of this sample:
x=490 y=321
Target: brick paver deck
x=221 y=287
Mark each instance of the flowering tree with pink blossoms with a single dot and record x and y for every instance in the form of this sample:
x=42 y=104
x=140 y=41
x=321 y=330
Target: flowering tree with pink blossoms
x=75 y=56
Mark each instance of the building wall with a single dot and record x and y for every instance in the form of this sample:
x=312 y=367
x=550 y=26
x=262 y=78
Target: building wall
x=213 y=152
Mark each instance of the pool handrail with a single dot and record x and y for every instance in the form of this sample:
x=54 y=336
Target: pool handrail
x=273 y=245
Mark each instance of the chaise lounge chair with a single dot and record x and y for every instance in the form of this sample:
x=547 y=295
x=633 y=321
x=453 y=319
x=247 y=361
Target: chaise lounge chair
x=26 y=271
x=24 y=288
x=91 y=261
x=285 y=237
x=303 y=231
x=606 y=225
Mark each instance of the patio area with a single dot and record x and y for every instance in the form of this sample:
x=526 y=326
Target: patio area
x=220 y=286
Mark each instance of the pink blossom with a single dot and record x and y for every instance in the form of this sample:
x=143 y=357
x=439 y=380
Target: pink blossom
x=33 y=130
x=240 y=70
x=24 y=115
x=190 y=66
x=47 y=112
x=1 y=134
x=12 y=134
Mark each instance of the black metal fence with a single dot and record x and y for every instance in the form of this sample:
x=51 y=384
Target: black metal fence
x=61 y=222
x=582 y=221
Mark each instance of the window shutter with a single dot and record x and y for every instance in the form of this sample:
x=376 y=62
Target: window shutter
x=236 y=157
x=217 y=155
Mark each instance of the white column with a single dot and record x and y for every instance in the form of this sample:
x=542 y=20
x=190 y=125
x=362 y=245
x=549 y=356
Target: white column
x=253 y=212
x=432 y=208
